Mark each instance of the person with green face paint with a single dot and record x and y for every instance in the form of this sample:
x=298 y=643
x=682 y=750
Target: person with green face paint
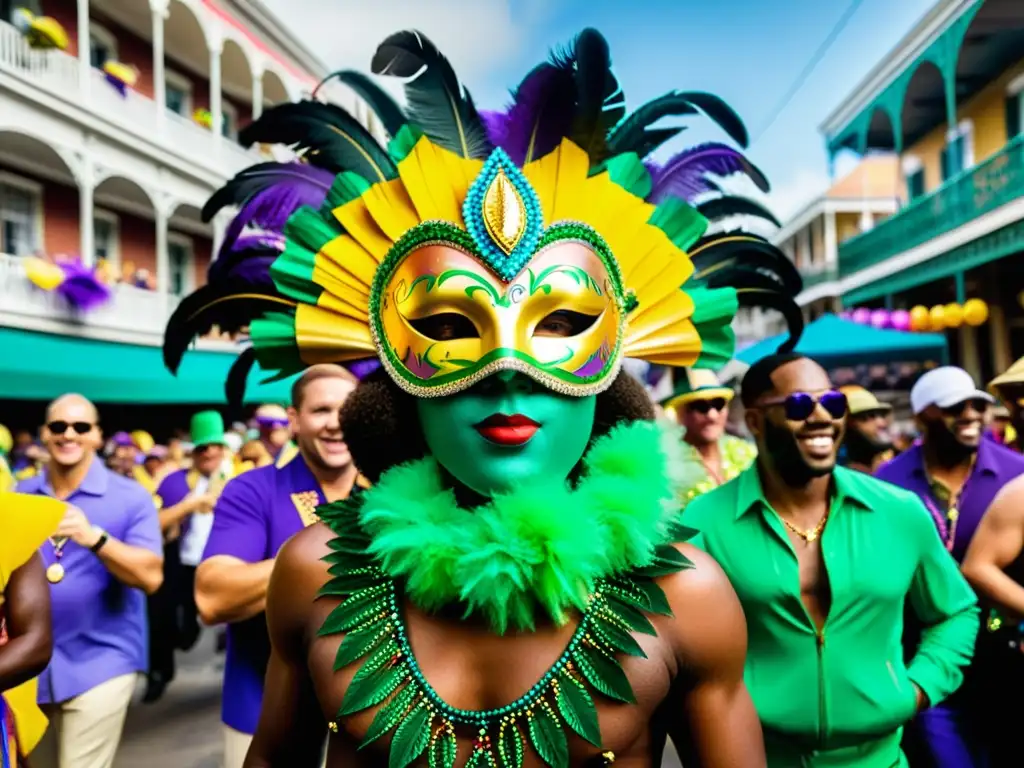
x=515 y=588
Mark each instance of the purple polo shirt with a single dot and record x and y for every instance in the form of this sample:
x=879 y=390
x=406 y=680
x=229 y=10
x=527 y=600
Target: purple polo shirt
x=995 y=466
x=99 y=624
x=173 y=490
x=254 y=516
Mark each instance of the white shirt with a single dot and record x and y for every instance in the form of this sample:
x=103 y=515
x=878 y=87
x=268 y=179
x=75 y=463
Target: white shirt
x=200 y=524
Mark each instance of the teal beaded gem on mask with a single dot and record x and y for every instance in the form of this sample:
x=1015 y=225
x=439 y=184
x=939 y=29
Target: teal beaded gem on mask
x=503 y=215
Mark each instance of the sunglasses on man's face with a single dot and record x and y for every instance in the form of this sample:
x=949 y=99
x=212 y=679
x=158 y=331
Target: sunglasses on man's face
x=267 y=422
x=957 y=409
x=707 y=406
x=800 y=405
x=60 y=427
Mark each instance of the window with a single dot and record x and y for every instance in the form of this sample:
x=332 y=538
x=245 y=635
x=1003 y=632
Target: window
x=959 y=152
x=179 y=252
x=106 y=240
x=229 y=121
x=178 y=93
x=102 y=45
x=20 y=216
x=915 y=184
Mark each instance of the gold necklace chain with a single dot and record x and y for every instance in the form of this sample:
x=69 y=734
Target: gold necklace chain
x=810 y=535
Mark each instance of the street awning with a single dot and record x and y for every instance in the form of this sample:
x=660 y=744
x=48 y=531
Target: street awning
x=41 y=366
x=834 y=343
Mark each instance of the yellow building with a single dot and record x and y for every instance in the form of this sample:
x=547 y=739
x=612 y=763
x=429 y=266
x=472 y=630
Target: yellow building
x=947 y=101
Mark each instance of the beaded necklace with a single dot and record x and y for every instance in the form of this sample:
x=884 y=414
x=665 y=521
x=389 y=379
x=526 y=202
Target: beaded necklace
x=370 y=616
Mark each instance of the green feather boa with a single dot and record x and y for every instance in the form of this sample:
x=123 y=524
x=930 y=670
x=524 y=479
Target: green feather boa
x=542 y=545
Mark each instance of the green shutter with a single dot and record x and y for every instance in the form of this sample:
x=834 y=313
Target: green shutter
x=944 y=158
x=1013 y=114
x=915 y=184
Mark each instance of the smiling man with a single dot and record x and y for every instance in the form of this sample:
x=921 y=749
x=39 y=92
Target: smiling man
x=256 y=513
x=868 y=442
x=822 y=559
x=956 y=473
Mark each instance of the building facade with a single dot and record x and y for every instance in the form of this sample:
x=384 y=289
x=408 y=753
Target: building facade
x=87 y=171
x=947 y=102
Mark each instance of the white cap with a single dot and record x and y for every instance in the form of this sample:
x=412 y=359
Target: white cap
x=945 y=387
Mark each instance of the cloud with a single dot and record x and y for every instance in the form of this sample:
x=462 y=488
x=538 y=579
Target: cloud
x=478 y=36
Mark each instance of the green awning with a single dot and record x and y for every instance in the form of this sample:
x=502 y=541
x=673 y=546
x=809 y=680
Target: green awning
x=835 y=343
x=41 y=366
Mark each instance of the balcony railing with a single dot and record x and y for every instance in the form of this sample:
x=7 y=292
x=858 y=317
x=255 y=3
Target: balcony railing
x=132 y=312
x=963 y=198
x=58 y=73
x=817 y=274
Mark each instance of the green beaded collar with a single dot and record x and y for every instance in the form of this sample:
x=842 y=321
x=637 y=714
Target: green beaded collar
x=370 y=616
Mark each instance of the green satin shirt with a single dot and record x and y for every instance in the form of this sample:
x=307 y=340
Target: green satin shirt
x=840 y=697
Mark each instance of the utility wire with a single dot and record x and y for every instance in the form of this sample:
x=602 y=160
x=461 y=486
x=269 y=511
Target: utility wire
x=808 y=69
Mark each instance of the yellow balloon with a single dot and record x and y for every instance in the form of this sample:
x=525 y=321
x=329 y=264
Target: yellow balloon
x=975 y=312
x=953 y=316
x=919 y=318
x=937 y=317
x=43 y=274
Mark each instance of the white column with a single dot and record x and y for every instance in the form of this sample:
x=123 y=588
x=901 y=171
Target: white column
x=84 y=48
x=257 y=95
x=220 y=224
x=831 y=243
x=159 y=78
x=85 y=213
x=216 y=108
x=163 y=260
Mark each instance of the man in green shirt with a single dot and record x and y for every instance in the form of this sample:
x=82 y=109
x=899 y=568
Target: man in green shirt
x=823 y=559
x=701 y=406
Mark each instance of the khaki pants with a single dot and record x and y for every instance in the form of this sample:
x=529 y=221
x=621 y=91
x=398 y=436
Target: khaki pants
x=236 y=745
x=85 y=731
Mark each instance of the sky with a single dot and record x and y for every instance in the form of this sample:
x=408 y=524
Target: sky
x=748 y=52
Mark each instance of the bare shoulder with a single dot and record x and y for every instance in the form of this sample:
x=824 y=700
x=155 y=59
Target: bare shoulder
x=1008 y=503
x=299 y=572
x=708 y=629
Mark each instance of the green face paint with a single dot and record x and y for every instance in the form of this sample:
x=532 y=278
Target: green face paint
x=471 y=435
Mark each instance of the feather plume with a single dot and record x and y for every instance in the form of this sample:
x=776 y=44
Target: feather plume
x=438 y=102
x=720 y=112
x=238 y=377
x=600 y=103
x=730 y=205
x=81 y=288
x=685 y=175
x=542 y=110
x=328 y=136
x=496 y=125
x=384 y=107
x=635 y=134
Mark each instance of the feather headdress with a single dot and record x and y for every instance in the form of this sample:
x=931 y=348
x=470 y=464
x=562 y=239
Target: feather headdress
x=567 y=163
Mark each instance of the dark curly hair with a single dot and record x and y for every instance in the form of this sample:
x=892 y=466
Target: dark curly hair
x=382 y=429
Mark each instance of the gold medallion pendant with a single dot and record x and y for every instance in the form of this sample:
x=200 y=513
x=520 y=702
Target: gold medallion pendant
x=55 y=573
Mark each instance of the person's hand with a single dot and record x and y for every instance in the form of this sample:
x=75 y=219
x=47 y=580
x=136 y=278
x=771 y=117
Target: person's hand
x=204 y=503
x=76 y=526
x=922 y=699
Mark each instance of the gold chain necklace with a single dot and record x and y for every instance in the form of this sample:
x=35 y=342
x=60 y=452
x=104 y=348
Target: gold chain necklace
x=810 y=535
x=55 y=573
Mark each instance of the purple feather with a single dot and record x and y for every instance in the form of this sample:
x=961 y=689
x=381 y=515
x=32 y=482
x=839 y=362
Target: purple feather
x=81 y=288
x=686 y=175
x=542 y=112
x=496 y=125
x=363 y=368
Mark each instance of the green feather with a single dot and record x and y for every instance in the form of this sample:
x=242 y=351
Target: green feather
x=347 y=187
x=510 y=746
x=615 y=636
x=309 y=229
x=292 y=273
x=679 y=221
x=578 y=709
x=411 y=738
x=629 y=616
x=548 y=738
x=443 y=751
x=402 y=144
x=372 y=689
x=644 y=594
x=346 y=581
x=667 y=560
x=604 y=673
x=356 y=645
x=628 y=172
x=273 y=338
x=354 y=611
x=378 y=660
x=390 y=714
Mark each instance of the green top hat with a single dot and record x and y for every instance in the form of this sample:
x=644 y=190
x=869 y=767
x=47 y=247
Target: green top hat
x=695 y=384
x=207 y=429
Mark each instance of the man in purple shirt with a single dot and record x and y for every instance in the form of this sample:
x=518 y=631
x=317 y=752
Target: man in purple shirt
x=956 y=473
x=254 y=516
x=104 y=556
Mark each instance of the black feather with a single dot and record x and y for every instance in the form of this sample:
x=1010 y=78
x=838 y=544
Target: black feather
x=386 y=108
x=631 y=134
x=730 y=205
x=600 y=103
x=720 y=112
x=438 y=103
x=652 y=139
x=238 y=377
x=726 y=256
x=759 y=292
x=328 y=135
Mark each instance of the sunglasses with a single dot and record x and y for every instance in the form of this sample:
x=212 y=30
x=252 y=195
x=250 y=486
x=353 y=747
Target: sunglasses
x=706 y=406
x=977 y=403
x=800 y=405
x=60 y=427
x=271 y=423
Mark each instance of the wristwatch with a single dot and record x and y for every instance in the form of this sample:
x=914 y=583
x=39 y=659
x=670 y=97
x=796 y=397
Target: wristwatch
x=101 y=541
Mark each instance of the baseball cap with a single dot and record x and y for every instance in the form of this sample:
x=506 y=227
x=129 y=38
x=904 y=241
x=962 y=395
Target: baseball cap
x=945 y=386
x=862 y=400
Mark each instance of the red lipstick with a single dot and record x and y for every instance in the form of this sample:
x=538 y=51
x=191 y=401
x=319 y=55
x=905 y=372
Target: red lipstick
x=508 y=430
